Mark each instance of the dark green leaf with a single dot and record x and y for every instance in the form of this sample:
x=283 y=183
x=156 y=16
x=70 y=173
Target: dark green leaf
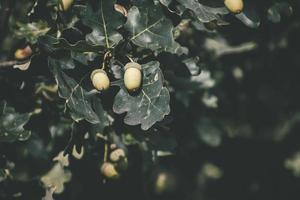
x=149 y=28
x=203 y=13
x=104 y=23
x=75 y=96
x=11 y=124
x=65 y=62
x=83 y=57
x=51 y=44
x=150 y=105
x=102 y=114
x=116 y=69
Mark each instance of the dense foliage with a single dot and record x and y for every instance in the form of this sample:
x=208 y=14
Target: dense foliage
x=149 y=99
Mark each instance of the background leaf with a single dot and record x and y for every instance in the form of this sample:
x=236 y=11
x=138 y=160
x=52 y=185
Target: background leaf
x=31 y=31
x=11 y=124
x=277 y=10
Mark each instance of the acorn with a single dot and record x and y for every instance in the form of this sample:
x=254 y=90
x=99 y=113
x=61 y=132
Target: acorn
x=21 y=54
x=132 y=76
x=165 y=183
x=100 y=79
x=109 y=170
x=64 y=5
x=234 y=6
x=116 y=155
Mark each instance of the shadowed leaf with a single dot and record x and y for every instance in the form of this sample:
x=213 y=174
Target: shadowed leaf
x=11 y=124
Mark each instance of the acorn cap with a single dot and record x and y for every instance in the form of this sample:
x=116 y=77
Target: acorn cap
x=97 y=71
x=133 y=65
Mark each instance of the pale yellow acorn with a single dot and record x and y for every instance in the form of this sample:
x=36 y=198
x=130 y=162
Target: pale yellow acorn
x=64 y=5
x=100 y=79
x=234 y=6
x=116 y=155
x=132 y=76
x=109 y=170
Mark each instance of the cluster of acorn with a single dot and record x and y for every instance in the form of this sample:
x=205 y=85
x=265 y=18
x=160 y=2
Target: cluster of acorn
x=117 y=163
x=132 y=77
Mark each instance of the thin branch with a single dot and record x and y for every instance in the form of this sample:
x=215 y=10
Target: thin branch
x=10 y=63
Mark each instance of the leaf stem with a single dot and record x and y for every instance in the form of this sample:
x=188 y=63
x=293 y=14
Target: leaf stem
x=11 y=63
x=131 y=60
x=106 y=56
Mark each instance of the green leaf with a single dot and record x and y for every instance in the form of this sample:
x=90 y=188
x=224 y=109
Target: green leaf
x=31 y=31
x=51 y=44
x=83 y=57
x=149 y=28
x=64 y=62
x=102 y=114
x=203 y=13
x=11 y=124
x=75 y=96
x=152 y=102
x=104 y=23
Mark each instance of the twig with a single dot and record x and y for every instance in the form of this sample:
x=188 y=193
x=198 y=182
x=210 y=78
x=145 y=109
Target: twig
x=9 y=63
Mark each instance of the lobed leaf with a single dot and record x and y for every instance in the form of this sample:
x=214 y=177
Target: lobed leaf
x=152 y=102
x=104 y=23
x=203 y=13
x=149 y=28
x=51 y=44
x=75 y=96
